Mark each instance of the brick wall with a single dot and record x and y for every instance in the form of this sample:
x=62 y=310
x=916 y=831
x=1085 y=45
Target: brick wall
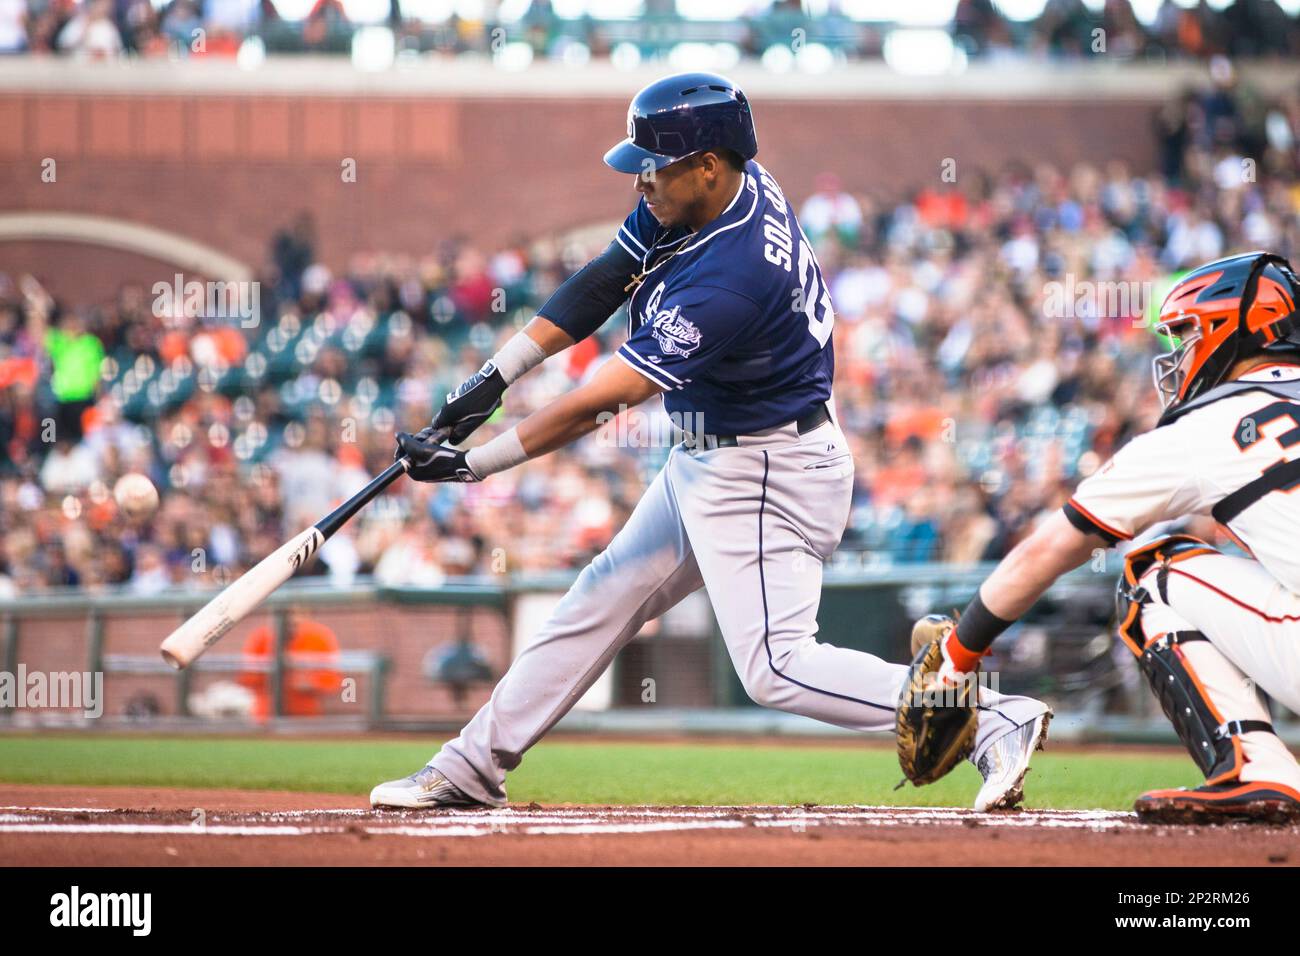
x=229 y=169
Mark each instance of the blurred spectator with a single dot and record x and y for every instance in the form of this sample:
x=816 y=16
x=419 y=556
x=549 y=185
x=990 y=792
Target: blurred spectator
x=917 y=536
x=91 y=32
x=150 y=576
x=75 y=356
x=292 y=251
x=831 y=210
x=412 y=558
x=313 y=668
x=69 y=468
x=1064 y=29
x=990 y=342
x=20 y=429
x=326 y=17
x=233 y=16
x=181 y=24
x=13 y=26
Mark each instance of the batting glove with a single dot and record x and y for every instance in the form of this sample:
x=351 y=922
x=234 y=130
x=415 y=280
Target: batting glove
x=472 y=403
x=432 y=460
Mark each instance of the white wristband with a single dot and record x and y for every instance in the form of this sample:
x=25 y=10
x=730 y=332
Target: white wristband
x=517 y=356
x=504 y=451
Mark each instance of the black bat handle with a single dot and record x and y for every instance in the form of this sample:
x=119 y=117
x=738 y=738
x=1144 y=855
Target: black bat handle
x=344 y=512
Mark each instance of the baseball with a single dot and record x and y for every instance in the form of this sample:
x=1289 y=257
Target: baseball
x=136 y=496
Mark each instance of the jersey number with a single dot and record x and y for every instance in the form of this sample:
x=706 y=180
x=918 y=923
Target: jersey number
x=815 y=297
x=1248 y=430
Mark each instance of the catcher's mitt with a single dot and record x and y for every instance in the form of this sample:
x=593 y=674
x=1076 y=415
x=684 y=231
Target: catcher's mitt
x=932 y=627
x=934 y=722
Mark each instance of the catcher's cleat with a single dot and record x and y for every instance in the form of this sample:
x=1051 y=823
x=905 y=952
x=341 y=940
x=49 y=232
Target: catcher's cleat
x=426 y=789
x=1005 y=762
x=1259 y=802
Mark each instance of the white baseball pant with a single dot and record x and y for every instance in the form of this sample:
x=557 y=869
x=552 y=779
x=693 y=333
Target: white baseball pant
x=751 y=523
x=1252 y=626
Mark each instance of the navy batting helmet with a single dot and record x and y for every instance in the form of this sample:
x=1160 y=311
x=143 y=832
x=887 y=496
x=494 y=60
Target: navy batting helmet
x=681 y=115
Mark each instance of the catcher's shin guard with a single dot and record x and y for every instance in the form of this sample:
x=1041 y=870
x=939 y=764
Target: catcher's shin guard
x=1211 y=738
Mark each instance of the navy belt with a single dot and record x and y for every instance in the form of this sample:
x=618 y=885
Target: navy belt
x=813 y=418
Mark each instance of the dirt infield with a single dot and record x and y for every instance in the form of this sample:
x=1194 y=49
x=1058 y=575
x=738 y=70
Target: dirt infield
x=71 y=826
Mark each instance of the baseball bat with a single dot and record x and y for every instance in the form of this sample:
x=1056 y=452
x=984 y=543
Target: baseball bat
x=184 y=645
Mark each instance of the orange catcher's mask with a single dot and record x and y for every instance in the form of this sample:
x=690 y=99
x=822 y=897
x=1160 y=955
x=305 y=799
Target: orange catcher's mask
x=1220 y=313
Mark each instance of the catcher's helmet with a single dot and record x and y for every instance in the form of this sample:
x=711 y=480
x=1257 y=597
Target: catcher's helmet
x=1220 y=313
x=681 y=115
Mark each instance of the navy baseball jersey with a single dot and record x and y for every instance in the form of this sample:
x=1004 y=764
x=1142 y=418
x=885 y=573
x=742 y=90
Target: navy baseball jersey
x=733 y=321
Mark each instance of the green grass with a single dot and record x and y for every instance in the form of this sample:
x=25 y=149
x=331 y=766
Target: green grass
x=569 y=771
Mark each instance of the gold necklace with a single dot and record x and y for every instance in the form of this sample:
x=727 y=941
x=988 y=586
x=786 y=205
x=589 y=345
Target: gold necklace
x=640 y=277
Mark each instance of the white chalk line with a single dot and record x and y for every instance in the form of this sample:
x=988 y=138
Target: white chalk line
x=572 y=821
x=60 y=809
x=750 y=811
x=174 y=829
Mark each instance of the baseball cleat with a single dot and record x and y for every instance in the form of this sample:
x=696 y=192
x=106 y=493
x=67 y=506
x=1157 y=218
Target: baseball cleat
x=1221 y=803
x=1006 y=761
x=426 y=789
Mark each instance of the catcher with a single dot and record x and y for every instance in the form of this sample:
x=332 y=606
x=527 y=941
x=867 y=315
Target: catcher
x=1210 y=630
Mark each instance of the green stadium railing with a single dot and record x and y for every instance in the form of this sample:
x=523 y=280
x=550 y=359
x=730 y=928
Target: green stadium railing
x=866 y=608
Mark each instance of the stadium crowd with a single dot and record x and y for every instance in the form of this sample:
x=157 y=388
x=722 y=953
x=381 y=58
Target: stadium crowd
x=1063 y=28
x=991 y=341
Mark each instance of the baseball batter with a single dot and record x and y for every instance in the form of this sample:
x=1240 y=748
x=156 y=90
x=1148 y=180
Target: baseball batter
x=1210 y=630
x=730 y=322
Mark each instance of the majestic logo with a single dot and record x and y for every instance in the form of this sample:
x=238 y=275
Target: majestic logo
x=675 y=334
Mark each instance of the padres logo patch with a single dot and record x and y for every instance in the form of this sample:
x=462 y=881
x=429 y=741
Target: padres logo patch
x=676 y=335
